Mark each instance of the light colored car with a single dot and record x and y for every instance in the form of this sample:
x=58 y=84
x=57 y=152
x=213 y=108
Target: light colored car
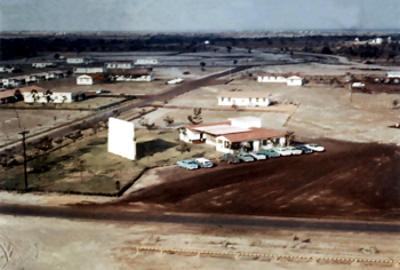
x=295 y=151
x=245 y=157
x=257 y=155
x=283 y=151
x=204 y=163
x=189 y=164
x=270 y=153
x=315 y=147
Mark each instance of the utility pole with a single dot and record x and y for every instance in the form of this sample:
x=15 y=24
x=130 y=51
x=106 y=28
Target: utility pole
x=23 y=133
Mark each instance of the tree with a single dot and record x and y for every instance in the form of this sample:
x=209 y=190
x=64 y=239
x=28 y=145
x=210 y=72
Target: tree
x=144 y=122
x=395 y=104
x=228 y=49
x=80 y=165
x=183 y=147
x=168 y=120
x=202 y=64
x=289 y=137
x=196 y=117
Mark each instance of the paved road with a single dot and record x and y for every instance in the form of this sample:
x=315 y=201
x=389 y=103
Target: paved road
x=113 y=215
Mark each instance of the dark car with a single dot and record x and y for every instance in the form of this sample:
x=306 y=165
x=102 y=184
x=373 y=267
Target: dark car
x=229 y=158
x=303 y=148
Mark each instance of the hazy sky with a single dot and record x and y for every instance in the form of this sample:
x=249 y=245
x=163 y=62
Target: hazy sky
x=197 y=15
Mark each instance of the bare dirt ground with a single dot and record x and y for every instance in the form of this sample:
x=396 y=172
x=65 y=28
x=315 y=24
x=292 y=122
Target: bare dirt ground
x=33 y=120
x=349 y=180
x=49 y=243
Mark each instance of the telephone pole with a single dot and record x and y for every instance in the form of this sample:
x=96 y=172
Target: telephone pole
x=23 y=133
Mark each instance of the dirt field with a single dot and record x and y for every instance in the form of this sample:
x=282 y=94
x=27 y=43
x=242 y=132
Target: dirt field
x=50 y=243
x=350 y=180
x=33 y=120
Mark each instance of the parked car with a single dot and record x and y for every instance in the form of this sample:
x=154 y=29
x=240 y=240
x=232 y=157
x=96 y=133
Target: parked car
x=283 y=151
x=295 y=151
x=229 y=158
x=204 y=163
x=189 y=164
x=245 y=157
x=271 y=153
x=303 y=148
x=258 y=155
x=315 y=147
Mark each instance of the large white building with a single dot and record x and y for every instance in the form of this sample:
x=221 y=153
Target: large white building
x=43 y=64
x=119 y=65
x=233 y=135
x=36 y=94
x=77 y=61
x=292 y=80
x=88 y=70
x=243 y=98
x=84 y=80
x=146 y=61
x=131 y=75
x=393 y=74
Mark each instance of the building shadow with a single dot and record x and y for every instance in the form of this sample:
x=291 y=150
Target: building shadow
x=151 y=147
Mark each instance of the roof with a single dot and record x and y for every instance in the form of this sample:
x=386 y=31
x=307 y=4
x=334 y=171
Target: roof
x=7 y=93
x=30 y=88
x=193 y=127
x=286 y=75
x=129 y=72
x=254 y=134
x=295 y=77
x=244 y=94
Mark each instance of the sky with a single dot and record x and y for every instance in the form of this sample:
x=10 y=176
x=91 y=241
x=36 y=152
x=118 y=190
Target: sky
x=197 y=15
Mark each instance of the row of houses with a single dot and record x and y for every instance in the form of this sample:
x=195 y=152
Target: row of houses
x=233 y=135
x=17 y=81
x=289 y=79
x=37 y=94
x=115 y=75
x=113 y=65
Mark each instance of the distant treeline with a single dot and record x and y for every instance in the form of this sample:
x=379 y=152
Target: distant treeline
x=21 y=47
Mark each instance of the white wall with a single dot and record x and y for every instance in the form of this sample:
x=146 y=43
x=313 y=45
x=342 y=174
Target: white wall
x=188 y=136
x=294 y=82
x=144 y=78
x=119 y=65
x=121 y=138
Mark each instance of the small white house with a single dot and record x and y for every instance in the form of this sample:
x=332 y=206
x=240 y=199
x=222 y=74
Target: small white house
x=243 y=98
x=84 y=80
x=233 y=135
x=43 y=64
x=294 y=81
x=131 y=75
x=77 y=60
x=119 y=65
x=146 y=61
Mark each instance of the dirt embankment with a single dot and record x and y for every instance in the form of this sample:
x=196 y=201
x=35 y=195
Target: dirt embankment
x=350 y=180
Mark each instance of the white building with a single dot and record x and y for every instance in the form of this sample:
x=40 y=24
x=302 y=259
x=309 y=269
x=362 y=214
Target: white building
x=243 y=98
x=357 y=85
x=13 y=81
x=119 y=65
x=7 y=69
x=77 y=61
x=131 y=75
x=233 y=135
x=38 y=94
x=393 y=74
x=43 y=64
x=293 y=80
x=121 y=138
x=175 y=81
x=146 y=61
x=88 y=70
x=84 y=80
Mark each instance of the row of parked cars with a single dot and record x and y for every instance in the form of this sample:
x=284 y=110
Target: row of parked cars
x=272 y=153
x=192 y=164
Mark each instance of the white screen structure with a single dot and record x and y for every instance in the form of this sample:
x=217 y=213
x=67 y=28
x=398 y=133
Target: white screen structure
x=121 y=138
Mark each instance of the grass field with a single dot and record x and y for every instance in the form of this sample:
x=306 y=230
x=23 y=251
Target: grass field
x=86 y=167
